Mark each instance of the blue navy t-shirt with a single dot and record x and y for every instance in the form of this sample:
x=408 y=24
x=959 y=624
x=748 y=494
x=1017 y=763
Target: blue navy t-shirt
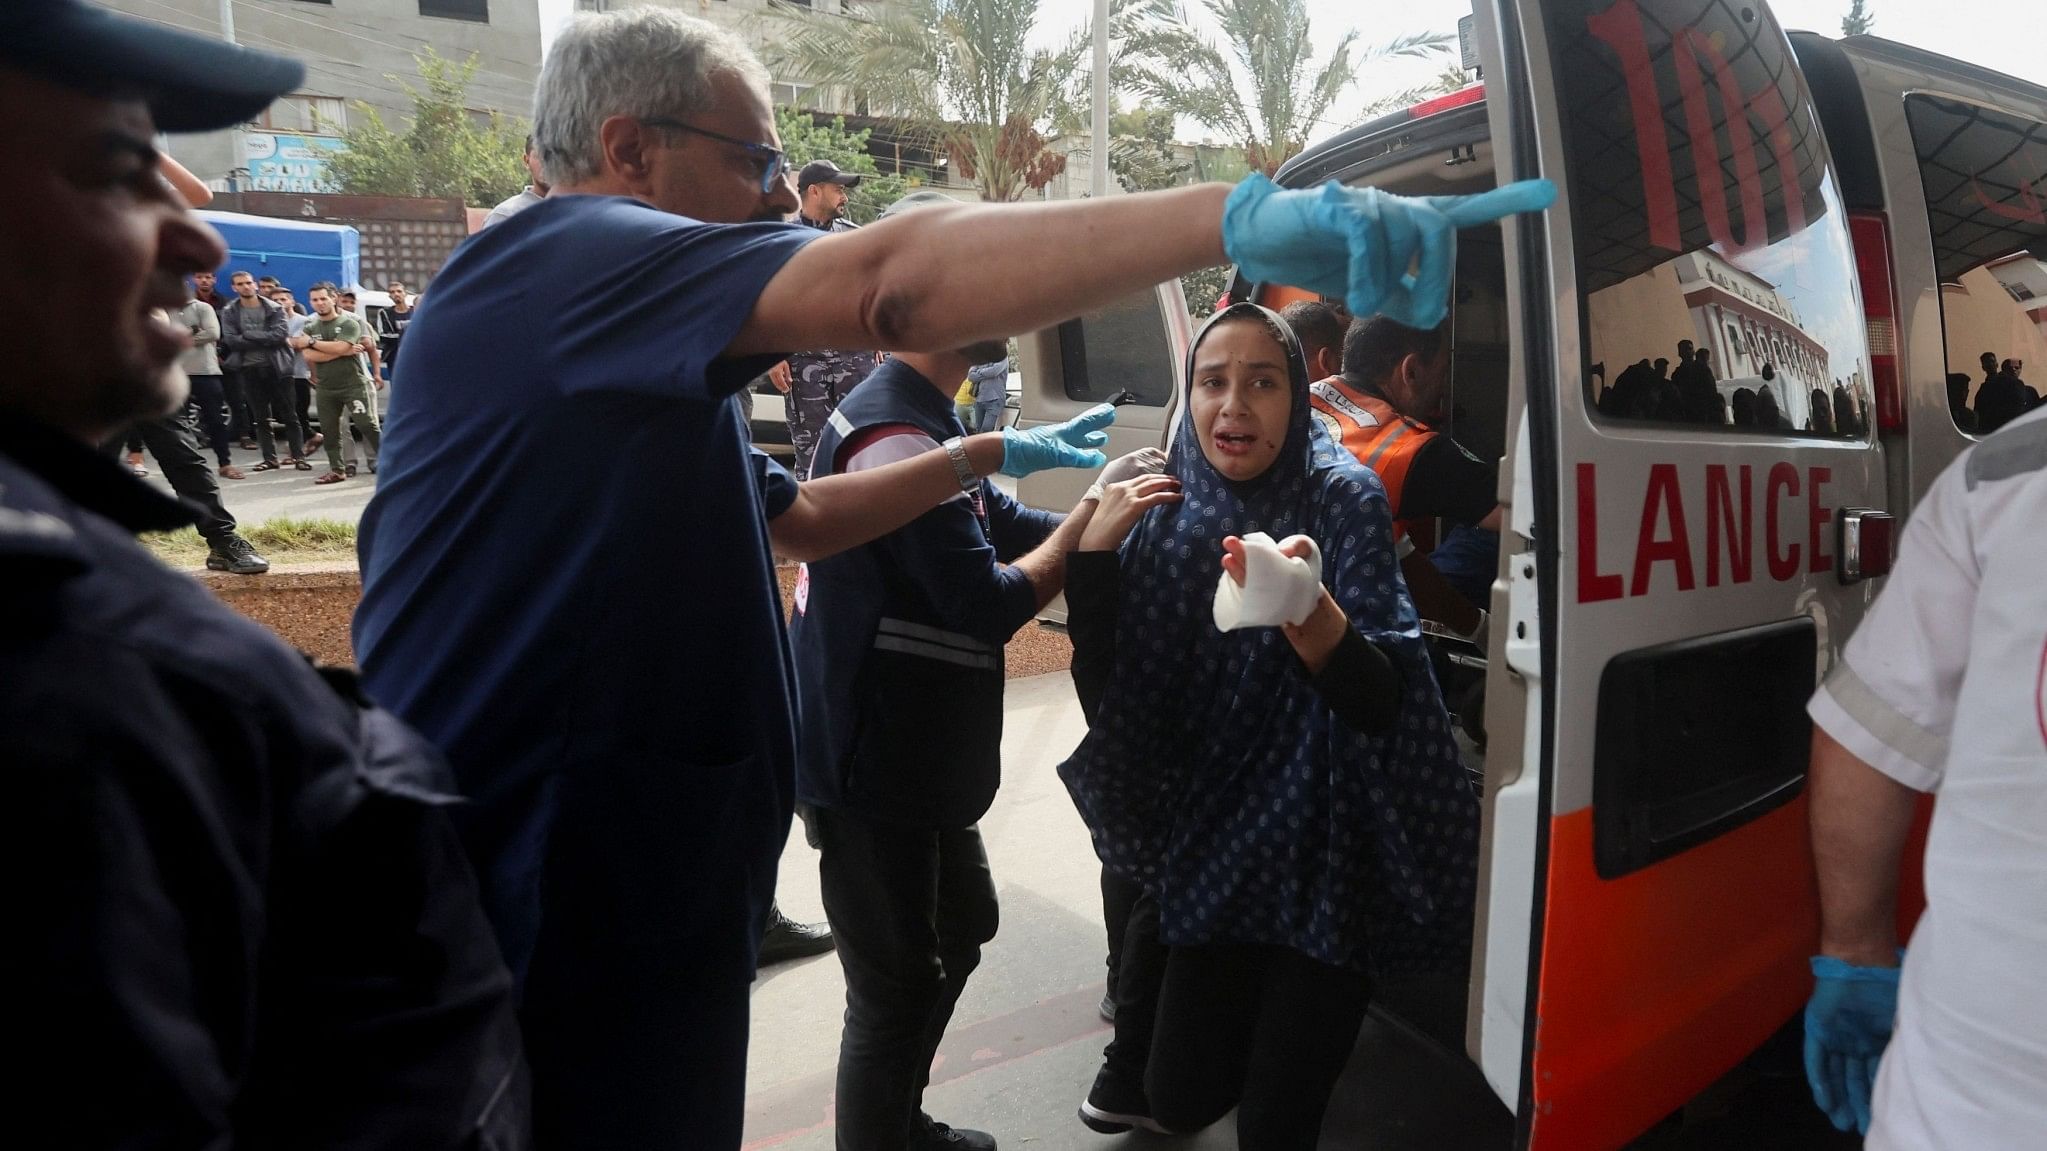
x=566 y=566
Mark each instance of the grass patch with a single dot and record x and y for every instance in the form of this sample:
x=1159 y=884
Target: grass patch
x=281 y=541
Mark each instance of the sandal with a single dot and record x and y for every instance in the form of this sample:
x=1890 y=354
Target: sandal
x=331 y=478
x=248 y=445
x=317 y=439
x=351 y=471
x=265 y=466
x=231 y=472
x=302 y=465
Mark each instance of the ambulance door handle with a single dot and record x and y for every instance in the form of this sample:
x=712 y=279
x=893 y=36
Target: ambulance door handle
x=1865 y=545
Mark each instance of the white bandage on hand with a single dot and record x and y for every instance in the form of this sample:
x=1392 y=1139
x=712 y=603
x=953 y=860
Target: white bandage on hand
x=1278 y=589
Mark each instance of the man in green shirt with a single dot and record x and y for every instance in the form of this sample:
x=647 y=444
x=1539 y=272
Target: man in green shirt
x=331 y=344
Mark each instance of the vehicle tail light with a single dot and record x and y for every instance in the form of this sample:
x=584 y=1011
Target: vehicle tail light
x=1867 y=544
x=1463 y=97
x=1872 y=236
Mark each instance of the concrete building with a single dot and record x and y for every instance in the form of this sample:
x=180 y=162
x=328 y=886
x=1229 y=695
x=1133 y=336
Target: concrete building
x=353 y=49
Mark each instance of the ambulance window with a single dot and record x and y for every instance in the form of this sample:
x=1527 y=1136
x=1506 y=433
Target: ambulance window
x=1712 y=252
x=1122 y=347
x=1985 y=179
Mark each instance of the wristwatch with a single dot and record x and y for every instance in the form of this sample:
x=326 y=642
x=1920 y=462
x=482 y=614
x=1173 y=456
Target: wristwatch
x=962 y=469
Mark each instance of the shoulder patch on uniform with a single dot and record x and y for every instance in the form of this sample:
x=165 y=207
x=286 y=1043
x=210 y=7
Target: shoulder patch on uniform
x=2008 y=454
x=840 y=423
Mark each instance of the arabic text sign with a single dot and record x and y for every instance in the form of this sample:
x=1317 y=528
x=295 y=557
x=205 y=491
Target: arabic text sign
x=280 y=162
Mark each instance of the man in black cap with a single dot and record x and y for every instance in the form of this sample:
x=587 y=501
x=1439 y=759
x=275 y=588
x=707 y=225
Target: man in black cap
x=238 y=912
x=822 y=188
x=818 y=380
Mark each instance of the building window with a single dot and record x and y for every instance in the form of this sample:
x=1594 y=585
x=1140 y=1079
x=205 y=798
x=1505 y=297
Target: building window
x=792 y=94
x=477 y=10
x=306 y=115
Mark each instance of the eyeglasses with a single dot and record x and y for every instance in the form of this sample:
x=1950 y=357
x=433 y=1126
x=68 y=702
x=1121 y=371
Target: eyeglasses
x=770 y=161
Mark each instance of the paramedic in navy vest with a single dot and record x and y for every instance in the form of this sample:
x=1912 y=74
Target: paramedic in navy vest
x=880 y=632
x=568 y=568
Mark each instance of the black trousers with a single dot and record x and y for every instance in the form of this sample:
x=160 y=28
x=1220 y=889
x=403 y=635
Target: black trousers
x=1119 y=898
x=1266 y=1030
x=211 y=400
x=910 y=909
x=302 y=396
x=270 y=398
x=174 y=441
x=240 y=418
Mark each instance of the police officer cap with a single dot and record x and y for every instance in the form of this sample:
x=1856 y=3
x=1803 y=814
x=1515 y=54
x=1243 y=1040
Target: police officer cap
x=922 y=198
x=825 y=172
x=191 y=83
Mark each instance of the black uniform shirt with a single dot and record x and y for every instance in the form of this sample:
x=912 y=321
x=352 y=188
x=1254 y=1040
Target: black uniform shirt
x=237 y=916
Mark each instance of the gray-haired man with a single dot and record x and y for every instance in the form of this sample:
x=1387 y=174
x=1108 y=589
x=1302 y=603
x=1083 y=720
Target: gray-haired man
x=599 y=648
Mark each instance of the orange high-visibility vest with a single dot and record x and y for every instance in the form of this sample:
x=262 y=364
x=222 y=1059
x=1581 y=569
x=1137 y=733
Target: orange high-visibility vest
x=1381 y=438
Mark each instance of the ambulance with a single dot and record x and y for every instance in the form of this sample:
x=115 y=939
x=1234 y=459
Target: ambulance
x=1847 y=227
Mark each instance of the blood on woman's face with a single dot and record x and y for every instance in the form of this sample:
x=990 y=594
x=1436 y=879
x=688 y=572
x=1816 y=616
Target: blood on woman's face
x=1240 y=398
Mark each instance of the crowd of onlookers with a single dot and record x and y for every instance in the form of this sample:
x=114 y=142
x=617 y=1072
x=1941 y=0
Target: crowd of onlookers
x=1690 y=393
x=2000 y=398
x=255 y=372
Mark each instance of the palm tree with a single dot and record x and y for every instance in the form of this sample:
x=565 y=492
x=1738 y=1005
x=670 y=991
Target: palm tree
x=1859 y=19
x=956 y=71
x=1263 y=88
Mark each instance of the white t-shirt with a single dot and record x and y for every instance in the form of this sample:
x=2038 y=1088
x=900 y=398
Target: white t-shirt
x=1942 y=689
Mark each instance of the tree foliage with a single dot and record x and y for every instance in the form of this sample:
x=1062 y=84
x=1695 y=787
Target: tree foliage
x=1141 y=151
x=1859 y=19
x=1262 y=86
x=957 y=72
x=442 y=151
x=805 y=139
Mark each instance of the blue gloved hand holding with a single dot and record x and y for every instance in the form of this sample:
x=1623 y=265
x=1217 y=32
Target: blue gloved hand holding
x=1847 y=1025
x=1358 y=244
x=1068 y=445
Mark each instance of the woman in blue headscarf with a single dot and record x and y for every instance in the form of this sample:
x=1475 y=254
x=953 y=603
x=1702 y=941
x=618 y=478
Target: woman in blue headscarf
x=1290 y=800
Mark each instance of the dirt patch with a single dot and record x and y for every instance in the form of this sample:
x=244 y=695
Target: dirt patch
x=309 y=607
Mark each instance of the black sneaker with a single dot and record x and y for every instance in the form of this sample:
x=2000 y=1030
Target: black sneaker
x=936 y=1136
x=1115 y=1104
x=786 y=939
x=236 y=555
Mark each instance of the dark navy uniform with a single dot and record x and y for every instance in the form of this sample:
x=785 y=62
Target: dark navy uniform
x=898 y=648
x=240 y=917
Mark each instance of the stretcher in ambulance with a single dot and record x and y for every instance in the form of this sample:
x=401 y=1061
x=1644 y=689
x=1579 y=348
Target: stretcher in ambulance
x=1843 y=227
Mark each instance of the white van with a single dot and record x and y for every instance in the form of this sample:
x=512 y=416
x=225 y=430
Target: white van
x=1672 y=583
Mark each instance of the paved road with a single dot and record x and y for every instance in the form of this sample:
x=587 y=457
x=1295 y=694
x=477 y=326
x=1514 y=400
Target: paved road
x=1026 y=1041
x=265 y=496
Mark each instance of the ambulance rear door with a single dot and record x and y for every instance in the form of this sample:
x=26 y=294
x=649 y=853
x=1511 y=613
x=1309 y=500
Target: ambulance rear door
x=1674 y=582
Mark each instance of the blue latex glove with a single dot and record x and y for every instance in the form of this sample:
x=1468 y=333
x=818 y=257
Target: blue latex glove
x=1357 y=244
x=1847 y=1025
x=1067 y=445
